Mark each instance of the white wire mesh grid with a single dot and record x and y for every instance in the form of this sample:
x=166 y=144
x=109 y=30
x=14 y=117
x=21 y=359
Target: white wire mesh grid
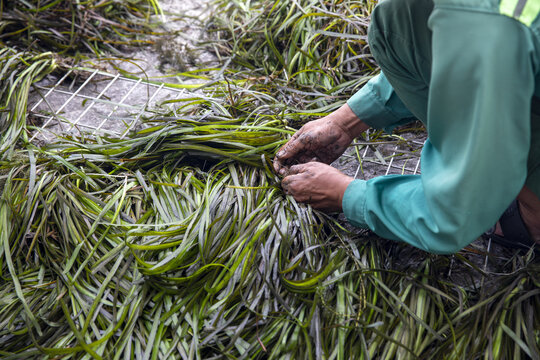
x=94 y=102
x=393 y=154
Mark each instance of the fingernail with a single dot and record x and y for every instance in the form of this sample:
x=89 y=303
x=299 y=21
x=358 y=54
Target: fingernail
x=280 y=153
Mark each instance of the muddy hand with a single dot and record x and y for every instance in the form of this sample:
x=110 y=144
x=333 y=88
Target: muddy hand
x=317 y=184
x=322 y=140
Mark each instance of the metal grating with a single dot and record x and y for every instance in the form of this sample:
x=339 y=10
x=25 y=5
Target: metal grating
x=94 y=101
x=387 y=154
x=401 y=158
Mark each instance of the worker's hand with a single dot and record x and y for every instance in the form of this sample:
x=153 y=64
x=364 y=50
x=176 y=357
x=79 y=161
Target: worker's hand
x=317 y=184
x=319 y=140
x=322 y=140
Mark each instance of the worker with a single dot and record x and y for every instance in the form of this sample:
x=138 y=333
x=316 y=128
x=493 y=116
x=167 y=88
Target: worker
x=470 y=71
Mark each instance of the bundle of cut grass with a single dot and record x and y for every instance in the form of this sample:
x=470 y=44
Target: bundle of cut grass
x=70 y=27
x=166 y=260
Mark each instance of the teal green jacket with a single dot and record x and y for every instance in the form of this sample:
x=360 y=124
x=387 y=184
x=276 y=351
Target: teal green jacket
x=483 y=141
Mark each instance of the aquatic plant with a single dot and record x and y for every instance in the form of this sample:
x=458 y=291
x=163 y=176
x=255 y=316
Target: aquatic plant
x=74 y=27
x=176 y=242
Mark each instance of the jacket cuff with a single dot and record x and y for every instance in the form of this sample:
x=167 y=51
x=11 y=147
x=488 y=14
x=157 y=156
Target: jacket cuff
x=354 y=203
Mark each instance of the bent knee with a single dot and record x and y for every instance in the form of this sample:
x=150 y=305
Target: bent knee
x=400 y=39
x=399 y=26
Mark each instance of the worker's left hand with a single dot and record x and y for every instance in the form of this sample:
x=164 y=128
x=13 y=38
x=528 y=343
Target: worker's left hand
x=317 y=184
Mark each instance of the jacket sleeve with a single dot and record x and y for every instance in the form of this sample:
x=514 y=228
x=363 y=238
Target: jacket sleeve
x=475 y=160
x=377 y=104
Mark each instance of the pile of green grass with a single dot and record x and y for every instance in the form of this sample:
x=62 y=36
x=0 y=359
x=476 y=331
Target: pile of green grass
x=310 y=44
x=177 y=242
x=76 y=28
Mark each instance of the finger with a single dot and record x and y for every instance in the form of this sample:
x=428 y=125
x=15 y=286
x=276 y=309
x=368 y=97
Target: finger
x=278 y=163
x=309 y=167
x=287 y=180
x=298 y=169
x=286 y=185
x=309 y=157
x=282 y=167
x=292 y=148
x=284 y=153
x=290 y=182
x=300 y=195
x=279 y=167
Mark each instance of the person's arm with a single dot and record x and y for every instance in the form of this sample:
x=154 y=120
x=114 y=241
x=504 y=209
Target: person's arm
x=475 y=161
x=324 y=140
x=377 y=104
